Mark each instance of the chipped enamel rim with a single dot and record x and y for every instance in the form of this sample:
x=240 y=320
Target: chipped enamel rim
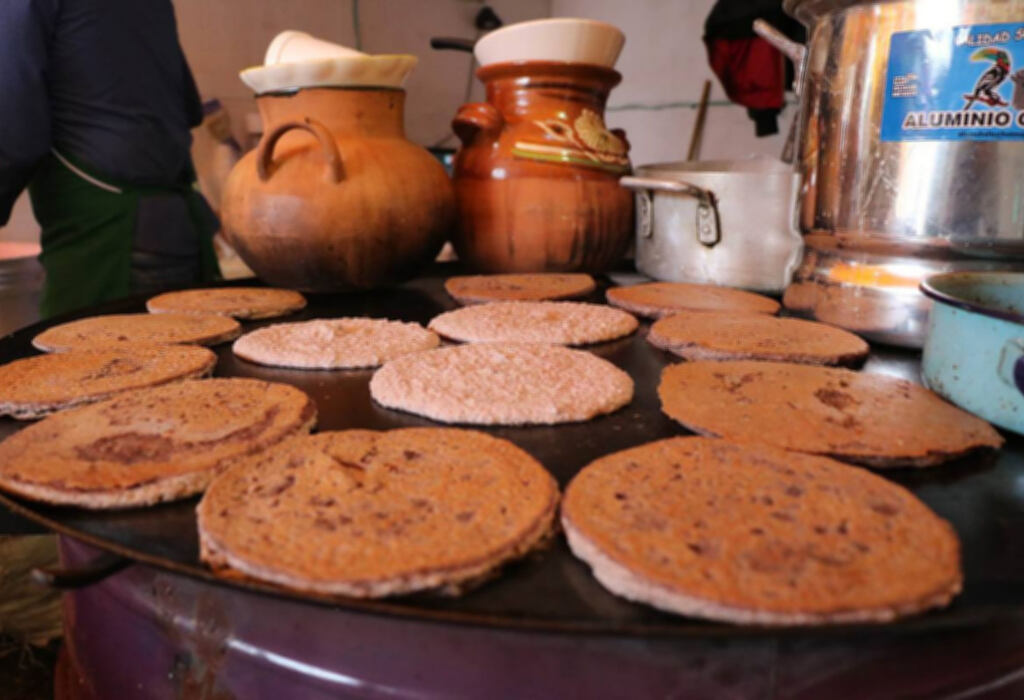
x=938 y=288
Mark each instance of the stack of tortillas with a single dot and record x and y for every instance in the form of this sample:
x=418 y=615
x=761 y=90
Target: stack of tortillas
x=340 y=343
x=557 y=322
x=540 y=286
x=658 y=299
x=869 y=419
x=35 y=386
x=502 y=384
x=370 y=514
x=122 y=330
x=149 y=445
x=756 y=535
x=239 y=302
x=707 y=335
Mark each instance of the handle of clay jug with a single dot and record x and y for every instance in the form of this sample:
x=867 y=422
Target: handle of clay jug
x=265 y=151
x=474 y=118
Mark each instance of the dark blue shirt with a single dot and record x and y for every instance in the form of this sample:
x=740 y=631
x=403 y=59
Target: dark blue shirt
x=104 y=82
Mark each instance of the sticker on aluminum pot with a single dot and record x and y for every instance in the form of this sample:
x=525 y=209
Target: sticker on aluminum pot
x=958 y=84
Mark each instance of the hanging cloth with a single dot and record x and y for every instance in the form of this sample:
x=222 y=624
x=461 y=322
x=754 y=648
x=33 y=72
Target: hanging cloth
x=753 y=73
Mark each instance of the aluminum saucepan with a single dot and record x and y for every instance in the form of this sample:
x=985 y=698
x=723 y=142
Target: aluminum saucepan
x=717 y=222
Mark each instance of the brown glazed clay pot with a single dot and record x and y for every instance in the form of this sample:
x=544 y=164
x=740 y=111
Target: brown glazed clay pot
x=335 y=197
x=536 y=179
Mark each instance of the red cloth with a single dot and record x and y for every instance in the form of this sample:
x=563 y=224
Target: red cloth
x=752 y=71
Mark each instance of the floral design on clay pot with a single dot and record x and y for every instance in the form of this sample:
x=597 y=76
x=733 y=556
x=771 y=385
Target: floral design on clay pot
x=557 y=130
x=595 y=134
x=587 y=141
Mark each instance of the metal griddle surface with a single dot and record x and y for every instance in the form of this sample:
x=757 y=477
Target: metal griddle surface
x=982 y=497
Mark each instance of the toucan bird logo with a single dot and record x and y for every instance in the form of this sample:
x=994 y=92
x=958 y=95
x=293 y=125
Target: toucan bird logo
x=985 y=88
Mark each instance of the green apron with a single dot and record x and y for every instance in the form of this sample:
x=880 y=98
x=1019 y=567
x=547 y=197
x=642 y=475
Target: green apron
x=88 y=226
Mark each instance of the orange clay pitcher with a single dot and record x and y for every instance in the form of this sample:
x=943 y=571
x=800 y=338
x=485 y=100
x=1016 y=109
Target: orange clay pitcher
x=536 y=179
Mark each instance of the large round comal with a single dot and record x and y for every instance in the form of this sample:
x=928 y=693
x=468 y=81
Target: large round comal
x=335 y=197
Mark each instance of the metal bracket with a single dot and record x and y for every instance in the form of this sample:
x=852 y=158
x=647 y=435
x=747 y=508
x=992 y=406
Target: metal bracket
x=709 y=233
x=709 y=225
x=644 y=214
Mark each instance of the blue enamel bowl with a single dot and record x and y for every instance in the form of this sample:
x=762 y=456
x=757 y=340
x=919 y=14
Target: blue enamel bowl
x=974 y=349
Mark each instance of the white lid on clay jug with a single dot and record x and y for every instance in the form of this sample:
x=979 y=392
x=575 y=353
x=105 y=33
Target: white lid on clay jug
x=291 y=46
x=297 y=60
x=564 y=39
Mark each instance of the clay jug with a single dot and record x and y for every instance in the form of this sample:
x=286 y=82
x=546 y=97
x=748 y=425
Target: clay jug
x=536 y=179
x=335 y=197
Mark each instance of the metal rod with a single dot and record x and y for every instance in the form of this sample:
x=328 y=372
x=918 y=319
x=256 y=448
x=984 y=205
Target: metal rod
x=793 y=50
x=698 y=126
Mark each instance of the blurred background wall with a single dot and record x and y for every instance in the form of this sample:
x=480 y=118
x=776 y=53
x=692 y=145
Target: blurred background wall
x=664 y=66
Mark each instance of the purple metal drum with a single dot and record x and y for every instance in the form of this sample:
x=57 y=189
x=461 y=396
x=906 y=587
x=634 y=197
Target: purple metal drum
x=148 y=634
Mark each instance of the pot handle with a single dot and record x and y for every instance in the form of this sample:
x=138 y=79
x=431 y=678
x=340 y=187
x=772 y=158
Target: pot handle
x=474 y=118
x=265 y=151
x=1011 y=363
x=452 y=43
x=709 y=228
x=794 y=51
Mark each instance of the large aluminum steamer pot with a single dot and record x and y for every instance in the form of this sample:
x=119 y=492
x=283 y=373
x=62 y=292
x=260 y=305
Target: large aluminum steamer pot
x=911 y=153
x=937 y=189
x=717 y=222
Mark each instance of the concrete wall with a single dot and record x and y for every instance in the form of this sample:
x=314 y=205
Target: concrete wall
x=664 y=65
x=220 y=38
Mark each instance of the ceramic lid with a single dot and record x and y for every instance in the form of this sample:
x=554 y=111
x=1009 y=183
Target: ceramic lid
x=297 y=60
x=388 y=71
x=565 y=39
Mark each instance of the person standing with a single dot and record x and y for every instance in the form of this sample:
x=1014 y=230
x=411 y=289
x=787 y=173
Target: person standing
x=98 y=103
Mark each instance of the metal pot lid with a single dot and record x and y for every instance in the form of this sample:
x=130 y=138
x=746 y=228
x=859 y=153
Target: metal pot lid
x=760 y=165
